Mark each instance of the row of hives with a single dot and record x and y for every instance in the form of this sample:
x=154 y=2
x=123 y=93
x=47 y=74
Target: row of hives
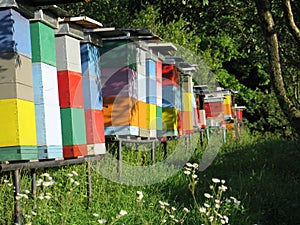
x=66 y=83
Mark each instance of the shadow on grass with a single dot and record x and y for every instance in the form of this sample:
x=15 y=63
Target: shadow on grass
x=264 y=175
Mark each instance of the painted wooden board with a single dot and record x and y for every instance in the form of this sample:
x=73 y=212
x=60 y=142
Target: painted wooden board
x=17 y=119
x=213 y=109
x=151 y=116
x=96 y=149
x=43 y=43
x=68 y=54
x=94 y=123
x=120 y=111
x=158 y=83
x=141 y=88
x=73 y=126
x=170 y=75
x=90 y=60
x=15 y=33
x=18 y=153
x=70 y=89
x=16 y=90
x=170 y=121
x=74 y=151
x=187 y=121
x=153 y=133
x=151 y=90
x=92 y=93
x=142 y=112
x=119 y=82
x=118 y=54
x=15 y=68
x=50 y=152
x=45 y=84
x=122 y=130
x=151 y=68
x=187 y=102
x=171 y=96
x=159 y=119
x=48 y=124
x=141 y=61
x=144 y=132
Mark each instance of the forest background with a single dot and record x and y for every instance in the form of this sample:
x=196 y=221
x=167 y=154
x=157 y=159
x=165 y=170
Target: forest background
x=251 y=47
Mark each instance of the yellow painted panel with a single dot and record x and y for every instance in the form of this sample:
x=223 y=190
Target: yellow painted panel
x=17 y=123
x=151 y=116
x=170 y=118
x=187 y=102
x=227 y=99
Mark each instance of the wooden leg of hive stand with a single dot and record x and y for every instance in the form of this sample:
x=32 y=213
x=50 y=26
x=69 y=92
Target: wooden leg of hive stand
x=17 y=204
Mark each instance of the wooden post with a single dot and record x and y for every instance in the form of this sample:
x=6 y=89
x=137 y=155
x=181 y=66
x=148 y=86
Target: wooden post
x=17 y=204
x=33 y=185
x=89 y=185
x=153 y=152
x=120 y=160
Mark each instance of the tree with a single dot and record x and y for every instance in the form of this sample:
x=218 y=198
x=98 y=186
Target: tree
x=291 y=110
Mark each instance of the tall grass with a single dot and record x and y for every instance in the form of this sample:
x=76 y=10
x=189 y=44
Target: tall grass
x=261 y=175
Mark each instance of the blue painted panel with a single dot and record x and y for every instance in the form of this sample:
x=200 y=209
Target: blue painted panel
x=92 y=93
x=169 y=99
x=45 y=84
x=121 y=130
x=151 y=68
x=90 y=60
x=50 y=152
x=48 y=125
x=151 y=91
x=14 y=33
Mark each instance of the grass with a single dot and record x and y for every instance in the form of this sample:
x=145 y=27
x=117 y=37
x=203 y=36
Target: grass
x=261 y=172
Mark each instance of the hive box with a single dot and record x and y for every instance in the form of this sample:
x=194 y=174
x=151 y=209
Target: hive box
x=50 y=152
x=16 y=90
x=94 y=120
x=141 y=88
x=15 y=33
x=43 y=43
x=170 y=75
x=17 y=119
x=170 y=121
x=92 y=93
x=48 y=125
x=119 y=82
x=90 y=60
x=18 y=153
x=70 y=89
x=187 y=102
x=73 y=151
x=45 y=84
x=15 y=68
x=73 y=126
x=68 y=54
x=171 y=97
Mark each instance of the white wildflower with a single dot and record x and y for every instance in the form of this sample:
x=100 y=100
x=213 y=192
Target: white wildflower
x=206 y=205
x=47 y=197
x=33 y=213
x=95 y=214
x=70 y=174
x=217 y=201
x=76 y=183
x=211 y=219
x=72 y=180
x=206 y=195
x=27 y=216
x=122 y=213
x=75 y=173
x=202 y=210
x=217 y=206
x=187 y=172
x=172 y=216
x=223 y=181
x=222 y=188
x=186 y=210
x=226 y=219
x=223 y=221
x=140 y=196
x=164 y=220
x=195 y=165
x=216 y=180
x=102 y=221
x=27 y=191
x=173 y=208
x=6 y=181
x=10 y=184
x=45 y=175
x=194 y=176
x=189 y=164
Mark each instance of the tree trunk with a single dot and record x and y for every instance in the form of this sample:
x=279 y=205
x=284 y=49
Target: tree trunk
x=268 y=28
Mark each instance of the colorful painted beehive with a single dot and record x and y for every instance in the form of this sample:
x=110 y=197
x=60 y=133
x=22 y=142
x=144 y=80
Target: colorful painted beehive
x=171 y=100
x=151 y=94
x=214 y=109
x=71 y=102
x=92 y=91
x=228 y=112
x=199 y=91
x=17 y=114
x=48 y=122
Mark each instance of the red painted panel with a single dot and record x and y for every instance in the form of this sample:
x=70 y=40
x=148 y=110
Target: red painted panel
x=70 y=89
x=170 y=75
x=213 y=109
x=94 y=123
x=75 y=151
x=239 y=114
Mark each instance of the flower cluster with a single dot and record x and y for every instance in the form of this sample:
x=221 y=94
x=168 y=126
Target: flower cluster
x=72 y=177
x=191 y=171
x=169 y=213
x=216 y=210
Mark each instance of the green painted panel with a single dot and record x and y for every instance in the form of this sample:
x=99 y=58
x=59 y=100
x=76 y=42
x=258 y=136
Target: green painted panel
x=73 y=126
x=18 y=153
x=158 y=118
x=43 y=43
